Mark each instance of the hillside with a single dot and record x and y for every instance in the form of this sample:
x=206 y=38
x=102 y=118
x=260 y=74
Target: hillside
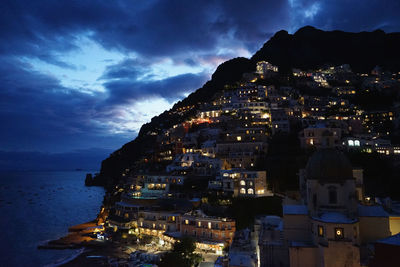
x=306 y=49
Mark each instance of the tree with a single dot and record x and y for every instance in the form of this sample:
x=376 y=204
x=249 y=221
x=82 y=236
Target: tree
x=182 y=254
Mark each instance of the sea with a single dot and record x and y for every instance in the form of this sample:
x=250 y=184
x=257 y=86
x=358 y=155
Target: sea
x=36 y=206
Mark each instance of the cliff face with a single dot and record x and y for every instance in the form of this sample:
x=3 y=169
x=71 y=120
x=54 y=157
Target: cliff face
x=308 y=48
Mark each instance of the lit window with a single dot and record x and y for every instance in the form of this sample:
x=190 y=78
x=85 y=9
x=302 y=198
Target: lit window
x=186 y=221
x=242 y=182
x=339 y=233
x=239 y=138
x=320 y=230
x=242 y=191
x=209 y=225
x=199 y=224
x=357 y=142
x=351 y=143
x=250 y=191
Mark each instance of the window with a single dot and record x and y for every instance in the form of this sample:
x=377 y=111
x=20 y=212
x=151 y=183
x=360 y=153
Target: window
x=332 y=195
x=186 y=221
x=242 y=182
x=250 y=191
x=339 y=233
x=199 y=224
x=209 y=225
x=242 y=191
x=320 y=230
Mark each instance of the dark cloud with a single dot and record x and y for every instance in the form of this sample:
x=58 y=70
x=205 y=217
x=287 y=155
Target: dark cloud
x=38 y=113
x=130 y=69
x=358 y=15
x=126 y=90
x=151 y=28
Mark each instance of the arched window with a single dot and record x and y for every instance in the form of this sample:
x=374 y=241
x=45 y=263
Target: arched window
x=242 y=182
x=242 y=191
x=332 y=195
x=250 y=191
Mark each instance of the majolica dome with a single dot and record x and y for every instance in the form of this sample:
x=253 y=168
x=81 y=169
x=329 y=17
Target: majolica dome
x=329 y=165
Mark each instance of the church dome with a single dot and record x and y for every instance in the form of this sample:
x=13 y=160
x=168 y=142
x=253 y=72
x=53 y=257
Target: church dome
x=329 y=165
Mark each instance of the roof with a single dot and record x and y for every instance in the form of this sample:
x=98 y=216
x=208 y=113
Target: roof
x=391 y=240
x=241 y=259
x=273 y=221
x=372 y=211
x=334 y=217
x=295 y=210
x=329 y=165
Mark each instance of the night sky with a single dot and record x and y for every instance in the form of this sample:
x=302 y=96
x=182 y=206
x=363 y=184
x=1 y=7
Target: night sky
x=79 y=78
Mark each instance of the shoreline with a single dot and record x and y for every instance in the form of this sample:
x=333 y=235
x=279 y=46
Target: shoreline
x=83 y=238
x=65 y=260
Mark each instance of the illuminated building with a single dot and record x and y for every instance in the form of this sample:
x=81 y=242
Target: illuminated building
x=320 y=135
x=331 y=226
x=208 y=230
x=263 y=67
x=243 y=183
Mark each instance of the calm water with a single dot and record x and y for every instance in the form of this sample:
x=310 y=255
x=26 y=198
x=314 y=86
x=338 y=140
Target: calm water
x=39 y=206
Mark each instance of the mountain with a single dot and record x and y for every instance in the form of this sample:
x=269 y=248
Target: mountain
x=308 y=48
